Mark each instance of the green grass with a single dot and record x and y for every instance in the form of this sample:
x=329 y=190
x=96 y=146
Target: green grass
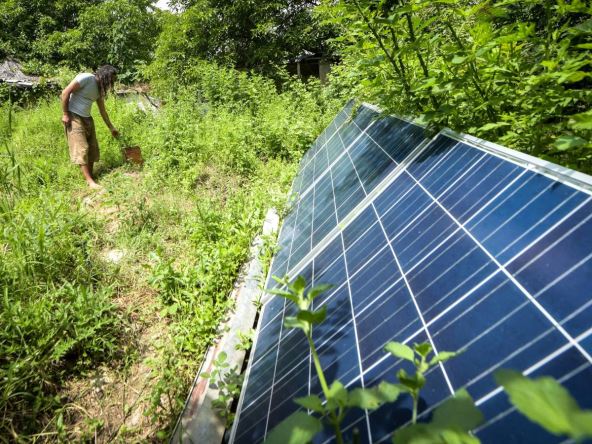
x=184 y=225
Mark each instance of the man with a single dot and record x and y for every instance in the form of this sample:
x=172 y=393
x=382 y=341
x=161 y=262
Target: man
x=77 y=100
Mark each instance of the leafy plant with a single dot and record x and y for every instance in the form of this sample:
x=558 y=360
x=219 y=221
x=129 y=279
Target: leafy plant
x=545 y=402
x=337 y=398
x=245 y=339
x=514 y=72
x=418 y=355
x=542 y=400
x=228 y=381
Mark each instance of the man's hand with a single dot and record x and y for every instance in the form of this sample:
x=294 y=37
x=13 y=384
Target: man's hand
x=67 y=120
x=114 y=132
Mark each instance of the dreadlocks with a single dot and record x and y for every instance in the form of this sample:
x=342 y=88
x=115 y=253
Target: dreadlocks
x=105 y=76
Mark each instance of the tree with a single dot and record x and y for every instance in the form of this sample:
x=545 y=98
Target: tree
x=247 y=34
x=22 y=22
x=119 y=32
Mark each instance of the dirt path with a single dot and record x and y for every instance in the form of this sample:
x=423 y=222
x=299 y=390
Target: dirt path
x=110 y=403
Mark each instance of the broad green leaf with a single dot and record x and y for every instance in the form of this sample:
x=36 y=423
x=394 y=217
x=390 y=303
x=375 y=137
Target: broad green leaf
x=385 y=21
x=311 y=402
x=572 y=77
x=373 y=397
x=389 y=392
x=458 y=412
x=430 y=434
x=297 y=428
x=491 y=126
x=584 y=46
x=337 y=393
x=413 y=382
x=365 y=398
x=313 y=317
x=582 y=121
x=337 y=396
x=299 y=284
x=457 y=60
x=443 y=356
x=400 y=350
x=585 y=27
x=318 y=290
x=545 y=402
x=423 y=349
x=292 y=322
x=549 y=64
x=564 y=143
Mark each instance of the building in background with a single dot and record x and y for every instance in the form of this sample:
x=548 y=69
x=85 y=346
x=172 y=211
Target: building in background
x=310 y=64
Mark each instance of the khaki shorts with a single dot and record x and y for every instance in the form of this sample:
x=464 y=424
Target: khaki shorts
x=82 y=140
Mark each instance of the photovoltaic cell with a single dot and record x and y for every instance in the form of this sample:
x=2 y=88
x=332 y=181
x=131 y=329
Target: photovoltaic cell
x=462 y=246
x=346 y=176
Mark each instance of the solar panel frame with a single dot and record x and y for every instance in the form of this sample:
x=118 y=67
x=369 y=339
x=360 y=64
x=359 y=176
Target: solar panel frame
x=578 y=181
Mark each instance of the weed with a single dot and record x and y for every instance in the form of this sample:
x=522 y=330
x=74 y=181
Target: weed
x=228 y=381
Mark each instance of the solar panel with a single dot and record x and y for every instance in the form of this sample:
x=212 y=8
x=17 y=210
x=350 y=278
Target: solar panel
x=344 y=174
x=456 y=242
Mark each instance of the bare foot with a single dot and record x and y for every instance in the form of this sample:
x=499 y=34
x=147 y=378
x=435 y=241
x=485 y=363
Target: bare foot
x=94 y=186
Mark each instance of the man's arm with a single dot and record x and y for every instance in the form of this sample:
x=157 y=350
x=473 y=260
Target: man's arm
x=65 y=99
x=105 y=116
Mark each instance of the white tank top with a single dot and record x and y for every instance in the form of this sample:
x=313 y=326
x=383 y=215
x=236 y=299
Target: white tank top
x=81 y=101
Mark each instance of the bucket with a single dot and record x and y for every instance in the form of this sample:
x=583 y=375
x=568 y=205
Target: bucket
x=133 y=154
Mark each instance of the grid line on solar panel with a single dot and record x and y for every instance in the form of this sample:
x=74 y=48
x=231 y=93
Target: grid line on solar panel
x=344 y=207
x=333 y=162
x=539 y=235
x=364 y=203
x=419 y=312
x=580 y=261
x=553 y=171
x=513 y=279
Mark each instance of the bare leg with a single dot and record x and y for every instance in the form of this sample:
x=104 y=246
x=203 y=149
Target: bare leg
x=87 y=173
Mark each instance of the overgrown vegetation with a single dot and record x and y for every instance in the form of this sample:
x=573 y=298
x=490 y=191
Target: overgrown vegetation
x=108 y=300
x=218 y=155
x=514 y=72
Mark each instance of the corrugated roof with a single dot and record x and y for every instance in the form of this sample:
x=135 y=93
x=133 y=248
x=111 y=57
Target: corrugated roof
x=11 y=72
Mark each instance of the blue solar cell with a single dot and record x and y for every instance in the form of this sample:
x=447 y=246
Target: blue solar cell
x=366 y=246
x=561 y=286
x=375 y=276
x=431 y=156
x=339 y=307
x=462 y=248
x=392 y=317
x=270 y=332
x=393 y=135
x=372 y=164
x=467 y=196
x=447 y=273
x=459 y=160
x=478 y=323
x=253 y=422
x=418 y=238
x=405 y=210
x=292 y=386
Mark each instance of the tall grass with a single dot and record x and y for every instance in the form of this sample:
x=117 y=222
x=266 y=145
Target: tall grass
x=219 y=153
